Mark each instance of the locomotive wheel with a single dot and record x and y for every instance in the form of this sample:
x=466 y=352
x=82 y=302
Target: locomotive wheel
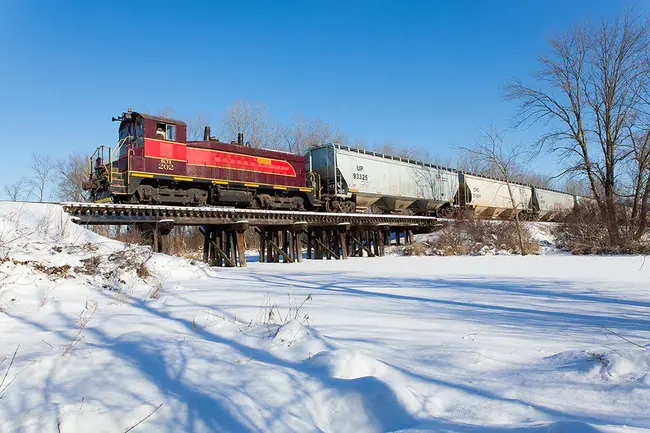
x=348 y=207
x=333 y=206
x=134 y=199
x=298 y=203
x=446 y=212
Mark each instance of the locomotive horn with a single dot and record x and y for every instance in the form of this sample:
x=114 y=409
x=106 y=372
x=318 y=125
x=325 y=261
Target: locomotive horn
x=240 y=139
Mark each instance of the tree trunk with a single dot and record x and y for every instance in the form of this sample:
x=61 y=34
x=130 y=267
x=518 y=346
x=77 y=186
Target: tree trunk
x=517 y=224
x=612 y=218
x=643 y=212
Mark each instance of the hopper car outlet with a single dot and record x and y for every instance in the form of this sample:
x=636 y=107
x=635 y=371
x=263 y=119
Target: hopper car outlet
x=153 y=163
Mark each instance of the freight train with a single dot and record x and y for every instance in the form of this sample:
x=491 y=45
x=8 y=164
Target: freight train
x=154 y=163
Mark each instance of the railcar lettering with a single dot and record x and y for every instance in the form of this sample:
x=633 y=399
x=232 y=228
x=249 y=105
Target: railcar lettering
x=359 y=176
x=166 y=164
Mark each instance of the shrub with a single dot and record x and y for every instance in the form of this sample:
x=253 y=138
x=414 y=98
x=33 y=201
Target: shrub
x=474 y=236
x=584 y=231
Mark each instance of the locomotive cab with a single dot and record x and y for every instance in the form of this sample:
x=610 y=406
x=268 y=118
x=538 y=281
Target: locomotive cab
x=135 y=127
x=108 y=167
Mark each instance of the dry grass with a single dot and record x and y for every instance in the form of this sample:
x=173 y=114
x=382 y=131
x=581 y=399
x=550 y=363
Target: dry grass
x=474 y=236
x=142 y=271
x=415 y=249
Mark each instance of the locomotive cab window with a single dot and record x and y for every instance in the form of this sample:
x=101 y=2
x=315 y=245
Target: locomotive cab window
x=165 y=132
x=171 y=132
x=139 y=133
x=127 y=135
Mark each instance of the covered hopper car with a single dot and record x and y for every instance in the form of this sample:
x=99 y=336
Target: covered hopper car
x=154 y=163
x=394 y=184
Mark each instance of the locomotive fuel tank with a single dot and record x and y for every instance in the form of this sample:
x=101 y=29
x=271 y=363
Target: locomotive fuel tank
x=389 y=183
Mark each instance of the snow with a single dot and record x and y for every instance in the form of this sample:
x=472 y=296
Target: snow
x=408 y=344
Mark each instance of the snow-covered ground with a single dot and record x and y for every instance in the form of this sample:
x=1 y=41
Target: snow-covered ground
x=452 y=344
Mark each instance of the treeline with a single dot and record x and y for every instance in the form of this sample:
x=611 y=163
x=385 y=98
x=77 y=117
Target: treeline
x=303 y=133
x=50 y=179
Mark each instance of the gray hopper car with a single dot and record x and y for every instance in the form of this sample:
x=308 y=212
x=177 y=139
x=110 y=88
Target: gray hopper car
x=355 y=179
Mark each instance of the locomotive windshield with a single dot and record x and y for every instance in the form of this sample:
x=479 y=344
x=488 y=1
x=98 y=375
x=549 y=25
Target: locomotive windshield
x=131 y=135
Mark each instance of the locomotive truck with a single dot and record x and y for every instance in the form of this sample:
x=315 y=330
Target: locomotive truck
x=154 y=163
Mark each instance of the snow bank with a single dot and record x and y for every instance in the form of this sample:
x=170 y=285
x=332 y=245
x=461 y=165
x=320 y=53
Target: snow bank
x=617 y=366
x=409 y=344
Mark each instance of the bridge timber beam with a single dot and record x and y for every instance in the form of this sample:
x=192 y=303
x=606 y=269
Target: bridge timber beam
x=122 y=214
x=282 y=233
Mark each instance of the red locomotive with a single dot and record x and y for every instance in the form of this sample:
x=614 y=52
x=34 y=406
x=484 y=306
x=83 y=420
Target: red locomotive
x=153 y=163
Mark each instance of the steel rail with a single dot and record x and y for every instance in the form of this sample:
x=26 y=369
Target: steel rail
x=115 y=214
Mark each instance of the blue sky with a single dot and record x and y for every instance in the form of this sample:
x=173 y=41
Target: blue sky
x=419 y=73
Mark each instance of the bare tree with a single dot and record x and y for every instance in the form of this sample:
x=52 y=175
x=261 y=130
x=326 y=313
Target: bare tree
x=576 y=186
x=305 y=133
x=360 y=143
x=470 y=163
x=69 y=175
x=506 y=159
x=393 y=149
x=196 y=127
x=590 y=89
x=254 y=122
x=16 y=190
x=535 y=179
x=166 y=111
x=639 y=169
x=41 y=176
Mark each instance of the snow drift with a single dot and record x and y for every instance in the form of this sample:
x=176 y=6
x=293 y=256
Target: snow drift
x=409 y=344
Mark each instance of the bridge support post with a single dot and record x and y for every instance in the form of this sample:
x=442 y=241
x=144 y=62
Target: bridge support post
x=297 y=245
x=224 y=245
x=297 y=231
x=318 y=252
x=206 y=246
x=275 y=248
x=309 y=243
x=291 y=243
x=344 y=245
x=375 y=242
x=270 y=257
x=262 y=248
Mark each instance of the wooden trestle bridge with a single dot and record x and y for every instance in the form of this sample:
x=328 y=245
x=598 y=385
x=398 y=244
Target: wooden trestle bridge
x=282 y=233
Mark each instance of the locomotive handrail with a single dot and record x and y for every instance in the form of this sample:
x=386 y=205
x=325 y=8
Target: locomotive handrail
x=108 y=167
x=100 y=153
x=316 y=184
x=120 y=143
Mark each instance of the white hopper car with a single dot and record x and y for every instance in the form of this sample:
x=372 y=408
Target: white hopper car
x=389 y=183
x=354 y=179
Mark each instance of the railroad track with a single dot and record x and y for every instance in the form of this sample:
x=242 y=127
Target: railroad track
x=115 y=214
